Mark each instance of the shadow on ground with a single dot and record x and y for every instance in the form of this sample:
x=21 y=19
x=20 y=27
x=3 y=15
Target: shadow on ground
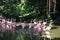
x=56 y=39
x=54 y=27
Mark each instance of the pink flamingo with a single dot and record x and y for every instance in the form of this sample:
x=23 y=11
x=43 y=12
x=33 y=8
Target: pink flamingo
x=31 y=29
x=0 y=25
x=9 y=24
x=3 y=24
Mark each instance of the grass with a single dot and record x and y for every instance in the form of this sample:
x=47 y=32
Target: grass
x=55 y=34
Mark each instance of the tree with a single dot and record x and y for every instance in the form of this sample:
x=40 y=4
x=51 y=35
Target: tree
x=25 y=8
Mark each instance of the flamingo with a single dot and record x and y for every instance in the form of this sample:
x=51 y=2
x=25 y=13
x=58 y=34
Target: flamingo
x=47 y=32
x=23 y=26
x=3 y=24
x=13 y=26
x=9 y=25
x=31 y=29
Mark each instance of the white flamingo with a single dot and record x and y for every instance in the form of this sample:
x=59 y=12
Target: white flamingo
x=47 y=32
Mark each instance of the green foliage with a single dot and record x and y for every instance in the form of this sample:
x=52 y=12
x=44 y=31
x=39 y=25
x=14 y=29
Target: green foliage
x=8 y=7
x=23 y=8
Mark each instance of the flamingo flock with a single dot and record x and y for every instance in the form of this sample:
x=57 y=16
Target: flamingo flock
x=7 y=24
x=40 y=28
x=35 y=28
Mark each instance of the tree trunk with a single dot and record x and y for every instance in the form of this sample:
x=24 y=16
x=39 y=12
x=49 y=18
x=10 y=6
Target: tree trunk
x=48 y=9
x=54 y=6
